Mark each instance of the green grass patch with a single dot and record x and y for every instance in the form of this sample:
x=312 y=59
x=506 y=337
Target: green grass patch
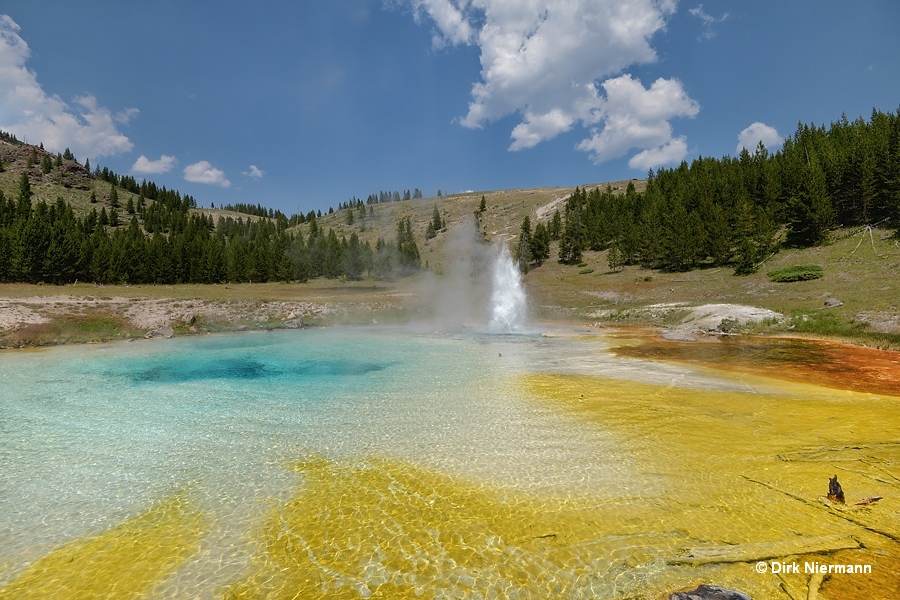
x=585 y=271
x=831 y=325
x=824 y=323
x=70 y=329
x=796 y=273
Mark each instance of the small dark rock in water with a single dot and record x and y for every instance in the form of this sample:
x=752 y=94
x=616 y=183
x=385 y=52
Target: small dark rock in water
x=709 y=592
x=835 y=492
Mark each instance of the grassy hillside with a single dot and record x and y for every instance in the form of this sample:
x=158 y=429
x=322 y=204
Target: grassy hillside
x=859 y=266
x=501 y=220
x=859 y=271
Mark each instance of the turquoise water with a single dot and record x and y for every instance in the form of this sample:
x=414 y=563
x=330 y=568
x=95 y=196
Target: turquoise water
x=411 y=463
x=93 y=435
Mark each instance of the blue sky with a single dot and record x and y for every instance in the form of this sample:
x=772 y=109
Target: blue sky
x=301 y=105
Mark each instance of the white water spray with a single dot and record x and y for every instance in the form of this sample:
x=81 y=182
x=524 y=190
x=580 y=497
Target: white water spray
x=508 y=301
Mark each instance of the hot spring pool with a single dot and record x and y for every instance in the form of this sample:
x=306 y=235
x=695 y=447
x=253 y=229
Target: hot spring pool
x=387 y=463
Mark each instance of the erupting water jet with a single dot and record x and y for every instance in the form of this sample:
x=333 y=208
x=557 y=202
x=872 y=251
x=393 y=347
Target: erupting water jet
x=508 y=301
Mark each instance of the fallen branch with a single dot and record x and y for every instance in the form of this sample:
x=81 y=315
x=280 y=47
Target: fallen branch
x=839 y=514
x=866 y=501
x=815 y=582
x=765 y=550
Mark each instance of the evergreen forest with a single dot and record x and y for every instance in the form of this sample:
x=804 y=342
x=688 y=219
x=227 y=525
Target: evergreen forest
x=733 y=211
x=162 y=239
x=737 y=211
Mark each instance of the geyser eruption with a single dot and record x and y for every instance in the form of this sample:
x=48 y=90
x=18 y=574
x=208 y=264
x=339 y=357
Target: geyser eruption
x=508 y=302
x=473 y=286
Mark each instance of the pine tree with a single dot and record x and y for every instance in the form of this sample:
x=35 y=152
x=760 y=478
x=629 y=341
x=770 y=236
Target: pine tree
x=354 y=259
x=540 y=244
x=555 y=229
x=811 y=214
x=718 y=238
x=435 y=225
x=614 y=258
x=24 y=188
x=571 y=243
x=523 y=248
x=409 y=257
x=5 y=256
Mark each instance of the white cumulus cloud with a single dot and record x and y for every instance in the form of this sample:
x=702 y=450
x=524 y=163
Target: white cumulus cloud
x=453 y=26
x=544 y=59
x=84 y=127
x=145 y=166
x=204 y=172
x=673 y=151
x=755 y=133
x=632 y=116
x=254 y=172
x=708 y=20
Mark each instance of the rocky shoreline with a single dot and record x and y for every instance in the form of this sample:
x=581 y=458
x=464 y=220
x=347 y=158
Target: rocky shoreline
x=61 y=319
x=23 y=320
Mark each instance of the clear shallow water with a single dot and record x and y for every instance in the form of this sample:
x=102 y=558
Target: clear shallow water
x=398 y=459
x=94 y=435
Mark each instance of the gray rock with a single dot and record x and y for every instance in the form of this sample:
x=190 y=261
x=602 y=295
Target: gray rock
x=832 y=302
x=293 y=324
x=709 y=592
x=682 y=335
x=161 y=332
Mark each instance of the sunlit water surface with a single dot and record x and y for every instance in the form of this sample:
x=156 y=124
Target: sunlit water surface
x=383 y=463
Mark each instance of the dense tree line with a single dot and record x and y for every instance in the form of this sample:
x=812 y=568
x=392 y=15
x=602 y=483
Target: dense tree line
x=164 y=242
x=257 y=210
x=10 y=137
x=145 y=189
x=383 y=197
x=736 y=211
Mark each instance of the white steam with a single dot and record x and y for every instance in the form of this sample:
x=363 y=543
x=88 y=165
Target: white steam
x=508 y=301
x=473 y=286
